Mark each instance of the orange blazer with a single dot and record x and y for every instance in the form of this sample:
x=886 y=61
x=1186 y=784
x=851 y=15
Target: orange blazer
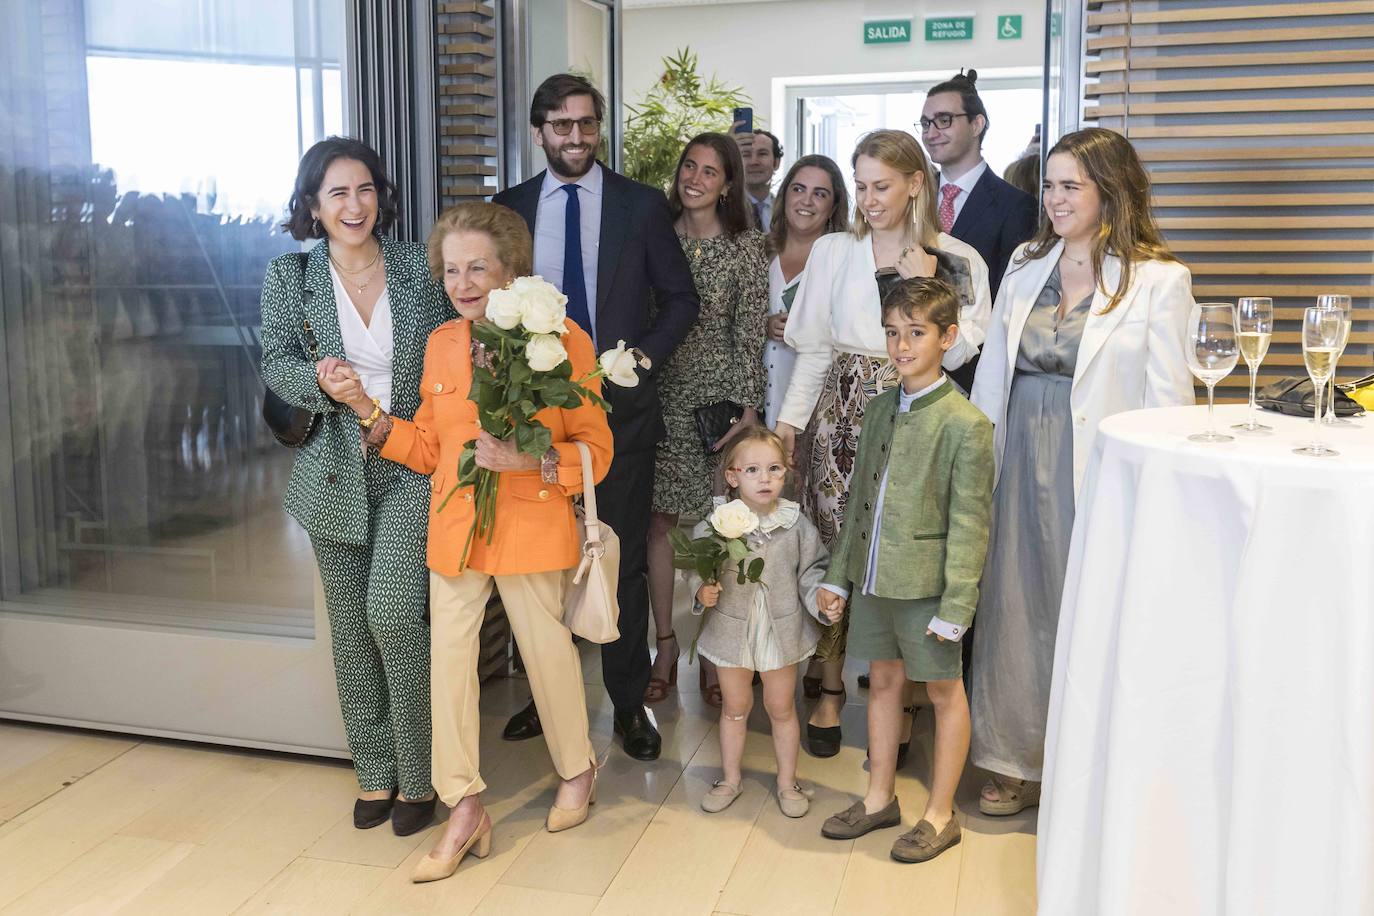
x=535 y=530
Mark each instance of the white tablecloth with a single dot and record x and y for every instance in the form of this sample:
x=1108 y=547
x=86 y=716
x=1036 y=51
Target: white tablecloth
x=1211 y=727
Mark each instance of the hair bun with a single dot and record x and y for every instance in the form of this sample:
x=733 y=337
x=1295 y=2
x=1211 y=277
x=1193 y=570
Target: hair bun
x=971 y=76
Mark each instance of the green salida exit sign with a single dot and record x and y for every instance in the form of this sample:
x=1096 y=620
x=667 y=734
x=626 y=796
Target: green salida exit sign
x=887 y=31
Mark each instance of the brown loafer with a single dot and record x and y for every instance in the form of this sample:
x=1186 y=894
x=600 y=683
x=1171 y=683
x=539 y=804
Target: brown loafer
x=922 y=843
x=852 y=823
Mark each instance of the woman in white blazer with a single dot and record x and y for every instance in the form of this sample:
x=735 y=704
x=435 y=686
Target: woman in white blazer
x=836 y=327
x=1090 y=321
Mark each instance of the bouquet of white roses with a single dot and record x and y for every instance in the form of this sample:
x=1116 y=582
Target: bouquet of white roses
x=519 y=368
x=724 y=545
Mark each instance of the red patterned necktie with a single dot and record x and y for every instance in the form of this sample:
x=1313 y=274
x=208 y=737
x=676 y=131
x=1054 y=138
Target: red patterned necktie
x=947 y=195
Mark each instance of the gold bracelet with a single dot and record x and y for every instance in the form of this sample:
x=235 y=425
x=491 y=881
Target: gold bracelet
x=376 y=412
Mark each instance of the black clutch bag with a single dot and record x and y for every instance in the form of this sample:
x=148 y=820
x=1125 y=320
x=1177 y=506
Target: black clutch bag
x=290 y=425
x=715 y=420
x=1295 y=397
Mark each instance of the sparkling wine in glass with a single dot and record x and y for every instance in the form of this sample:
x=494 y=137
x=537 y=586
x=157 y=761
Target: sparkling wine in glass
x=1212 y=350
x=1342 y=305
x=1254 y=328
x=1322 y=330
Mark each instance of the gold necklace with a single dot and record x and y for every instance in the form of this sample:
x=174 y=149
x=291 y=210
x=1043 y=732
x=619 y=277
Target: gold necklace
x=369 y=267
x=1073 y=259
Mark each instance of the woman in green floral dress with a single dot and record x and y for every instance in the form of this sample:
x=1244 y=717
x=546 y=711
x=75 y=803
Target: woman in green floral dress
x=720 y=360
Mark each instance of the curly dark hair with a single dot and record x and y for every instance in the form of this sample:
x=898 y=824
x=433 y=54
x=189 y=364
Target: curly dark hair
x=310 y=176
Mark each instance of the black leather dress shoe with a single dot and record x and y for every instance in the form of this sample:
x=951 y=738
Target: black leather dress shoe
x=524 y=724
x=412 y=816
x=368 y=814
x=642 y=741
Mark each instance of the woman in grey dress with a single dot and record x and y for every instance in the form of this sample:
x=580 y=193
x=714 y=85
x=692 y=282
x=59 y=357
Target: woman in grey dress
x=1089 y=322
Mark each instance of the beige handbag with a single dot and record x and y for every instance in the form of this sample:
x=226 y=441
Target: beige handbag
x=590 y=608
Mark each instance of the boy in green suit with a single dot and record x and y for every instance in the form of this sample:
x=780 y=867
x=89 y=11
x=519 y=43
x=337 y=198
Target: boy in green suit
x=910 y=557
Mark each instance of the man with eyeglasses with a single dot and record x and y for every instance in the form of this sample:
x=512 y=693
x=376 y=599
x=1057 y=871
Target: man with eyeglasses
x=974 y=204
x=608 y=243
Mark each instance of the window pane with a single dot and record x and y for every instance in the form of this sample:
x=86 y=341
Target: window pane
x=142 y=193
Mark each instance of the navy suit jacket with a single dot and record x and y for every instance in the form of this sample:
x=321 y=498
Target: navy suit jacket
x=994 y=220
x=645 y=294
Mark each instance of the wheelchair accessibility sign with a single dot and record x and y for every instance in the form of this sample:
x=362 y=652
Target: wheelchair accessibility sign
x=1008 y=27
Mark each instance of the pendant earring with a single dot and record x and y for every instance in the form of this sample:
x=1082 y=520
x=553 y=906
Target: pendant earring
x=315 y=228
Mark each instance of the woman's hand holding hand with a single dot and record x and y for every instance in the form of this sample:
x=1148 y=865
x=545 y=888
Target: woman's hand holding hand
x=788 y=435
x=749 y=418
x=915 y=262
x=501 y=455
x=830 y=605
x=340 y=381
x=709 y=594
x=777 y=326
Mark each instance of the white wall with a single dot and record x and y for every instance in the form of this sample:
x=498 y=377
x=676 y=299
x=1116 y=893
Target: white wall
x=749 y=44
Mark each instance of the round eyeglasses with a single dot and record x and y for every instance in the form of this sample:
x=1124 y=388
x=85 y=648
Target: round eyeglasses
x=563 y=126
x=942 y=120
x=755 y=471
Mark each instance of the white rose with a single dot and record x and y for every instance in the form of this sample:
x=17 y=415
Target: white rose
x=619 y=366
x=734 y=519
x=504 y=308
x=545 y=352
x=543 y=306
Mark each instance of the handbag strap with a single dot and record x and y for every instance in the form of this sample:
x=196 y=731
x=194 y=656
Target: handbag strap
x=310 y=341
x=589 y=516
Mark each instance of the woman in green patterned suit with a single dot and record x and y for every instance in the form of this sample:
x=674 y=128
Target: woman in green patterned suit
x=369 y=301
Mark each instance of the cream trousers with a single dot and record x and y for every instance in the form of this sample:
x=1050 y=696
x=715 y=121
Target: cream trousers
x=534 y=606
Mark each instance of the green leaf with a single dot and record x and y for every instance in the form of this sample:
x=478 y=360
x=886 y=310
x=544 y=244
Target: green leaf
x=756 y=569
x=737 y=549
x=742 y=577
x=533 y=438
x=681 y=542
x=706 y=569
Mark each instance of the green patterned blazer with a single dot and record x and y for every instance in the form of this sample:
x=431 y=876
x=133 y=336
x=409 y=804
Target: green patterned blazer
x=327 y=493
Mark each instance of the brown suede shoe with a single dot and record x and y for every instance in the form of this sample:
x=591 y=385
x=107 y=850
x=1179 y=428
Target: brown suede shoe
x=922 y=843
x=852 y=823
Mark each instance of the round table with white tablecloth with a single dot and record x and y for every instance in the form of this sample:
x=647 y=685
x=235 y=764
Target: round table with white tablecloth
x=1210 y=744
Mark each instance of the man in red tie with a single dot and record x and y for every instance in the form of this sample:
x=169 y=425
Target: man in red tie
x=975 y=206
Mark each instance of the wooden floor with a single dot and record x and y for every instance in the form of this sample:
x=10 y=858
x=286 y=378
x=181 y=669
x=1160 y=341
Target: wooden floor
x=96 y=823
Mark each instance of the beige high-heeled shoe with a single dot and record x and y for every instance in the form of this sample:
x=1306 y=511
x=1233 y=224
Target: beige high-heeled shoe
x=432 y=869
x=567 y=818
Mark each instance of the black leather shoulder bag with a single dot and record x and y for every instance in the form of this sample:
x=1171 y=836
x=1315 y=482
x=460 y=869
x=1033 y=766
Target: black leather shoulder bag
x=293 y=426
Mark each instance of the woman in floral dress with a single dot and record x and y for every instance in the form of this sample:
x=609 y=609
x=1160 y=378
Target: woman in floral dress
x=720 y=360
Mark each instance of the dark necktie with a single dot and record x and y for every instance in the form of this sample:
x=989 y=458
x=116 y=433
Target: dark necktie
x=574 y=283
x=758 y=215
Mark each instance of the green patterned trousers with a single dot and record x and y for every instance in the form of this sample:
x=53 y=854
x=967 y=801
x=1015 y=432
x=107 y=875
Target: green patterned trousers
x=376 y=595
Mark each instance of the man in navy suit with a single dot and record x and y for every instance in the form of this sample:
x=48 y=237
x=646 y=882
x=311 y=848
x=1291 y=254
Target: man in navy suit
x=975 y=206
x=608 y=243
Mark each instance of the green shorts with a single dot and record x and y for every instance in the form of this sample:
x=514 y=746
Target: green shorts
x=884 y=629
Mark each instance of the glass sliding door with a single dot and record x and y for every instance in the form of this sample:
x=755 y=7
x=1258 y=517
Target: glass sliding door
x=150 y=579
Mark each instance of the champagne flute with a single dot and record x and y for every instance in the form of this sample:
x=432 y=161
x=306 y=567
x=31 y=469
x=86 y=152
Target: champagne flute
x=1321 y=339
x=1254 y=328
x=1212 y=350
x=1342 y=305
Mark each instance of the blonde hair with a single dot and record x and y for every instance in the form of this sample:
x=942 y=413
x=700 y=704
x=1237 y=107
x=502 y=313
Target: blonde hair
x=899 y=150
x=751 y=434
x=506 y=229
x=1126 y=225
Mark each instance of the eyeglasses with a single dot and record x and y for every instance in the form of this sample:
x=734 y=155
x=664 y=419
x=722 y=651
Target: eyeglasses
x=563 y=126
x=755 y=471
x=942 y=120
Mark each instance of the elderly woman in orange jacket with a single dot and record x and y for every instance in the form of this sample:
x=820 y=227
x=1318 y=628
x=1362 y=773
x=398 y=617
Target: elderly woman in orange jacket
x=473 y=249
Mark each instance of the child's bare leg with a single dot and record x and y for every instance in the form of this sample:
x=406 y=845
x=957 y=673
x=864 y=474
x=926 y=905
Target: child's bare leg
x=887 y=679
x=780 y=700
x=951 y=748
x=737 y=699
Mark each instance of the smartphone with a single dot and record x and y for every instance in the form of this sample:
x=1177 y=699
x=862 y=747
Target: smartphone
x=744 y=120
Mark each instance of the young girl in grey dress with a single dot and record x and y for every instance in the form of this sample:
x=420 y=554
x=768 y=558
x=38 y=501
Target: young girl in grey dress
x=768 y=626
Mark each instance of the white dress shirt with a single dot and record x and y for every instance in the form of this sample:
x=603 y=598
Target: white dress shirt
x=965 y=182
x=778 y=357
x=368 y=347
x=837 y=309
x=765 y=209
x=549 y=220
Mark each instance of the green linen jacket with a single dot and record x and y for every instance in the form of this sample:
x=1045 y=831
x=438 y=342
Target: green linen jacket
x=326 y=492
x=936 y=511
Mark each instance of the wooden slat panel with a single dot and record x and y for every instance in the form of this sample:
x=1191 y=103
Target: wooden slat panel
x=468 y=69
x=471 y=6
x=1295 y=337
x=1263 y=200
x=470 y=168
x=1141 y=63
x=1249 y=153
x=1290 y=81
x=465 y=109
x=1285 y=268
x=1205 y=245
x=1295 y=314
x=1261 y=176
x=468 y=189
x=1230 y=106
x=486 y=88
x=476 y=29
x=485 y=129
x=1237 y=37
x=1278 y=289
x=1266 y=222
x=466 y=149
x=1267 y=11
x=1272 y=129
x=470 y=47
